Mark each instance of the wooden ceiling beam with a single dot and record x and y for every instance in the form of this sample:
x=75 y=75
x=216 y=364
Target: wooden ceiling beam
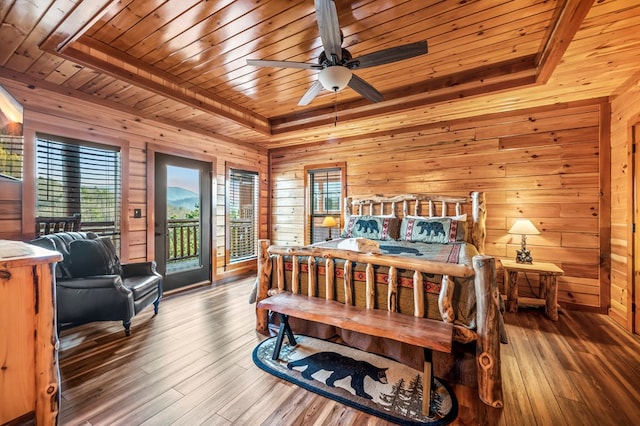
x=134 y=72
x=11 y=78
x=565 y=28
x=64 y=41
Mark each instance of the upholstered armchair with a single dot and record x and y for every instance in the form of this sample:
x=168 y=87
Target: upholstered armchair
x=92 y=285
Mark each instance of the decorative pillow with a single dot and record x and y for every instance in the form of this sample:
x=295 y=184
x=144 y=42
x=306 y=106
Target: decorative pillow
x=371 y=227
x=432 y=230
x=94 y=257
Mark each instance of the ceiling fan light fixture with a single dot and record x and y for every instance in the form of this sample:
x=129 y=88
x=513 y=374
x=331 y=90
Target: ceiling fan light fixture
x=335 y=78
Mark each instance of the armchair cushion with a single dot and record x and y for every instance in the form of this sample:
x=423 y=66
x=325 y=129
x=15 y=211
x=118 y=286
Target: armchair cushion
x=139 y=269
x=94 y=257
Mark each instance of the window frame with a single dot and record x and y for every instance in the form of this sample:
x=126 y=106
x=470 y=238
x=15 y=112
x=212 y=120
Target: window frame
x=70 y=149
x=41 y=123
x=308 y=201
x=229 y=167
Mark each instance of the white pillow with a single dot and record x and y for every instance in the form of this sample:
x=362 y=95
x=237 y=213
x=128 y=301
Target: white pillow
x=460 y=217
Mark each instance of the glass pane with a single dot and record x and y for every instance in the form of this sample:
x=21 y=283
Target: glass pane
x=78 y=180
x=324 y=233
x=243 y=215
x=183 y=219
x=326 y=187
x=11 y=136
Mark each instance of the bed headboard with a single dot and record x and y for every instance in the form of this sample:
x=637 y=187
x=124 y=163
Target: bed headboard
x=428 y=205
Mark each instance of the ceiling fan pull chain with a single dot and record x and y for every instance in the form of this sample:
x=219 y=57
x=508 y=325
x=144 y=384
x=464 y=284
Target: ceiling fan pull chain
x=335 y=109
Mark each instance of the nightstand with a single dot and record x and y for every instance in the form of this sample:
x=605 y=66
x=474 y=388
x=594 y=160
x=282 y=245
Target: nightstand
x=548 y=285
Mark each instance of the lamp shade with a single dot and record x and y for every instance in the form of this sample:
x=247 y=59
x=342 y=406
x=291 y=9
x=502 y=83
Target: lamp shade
x=335 y=78
x=329 y=222
x=523 y=227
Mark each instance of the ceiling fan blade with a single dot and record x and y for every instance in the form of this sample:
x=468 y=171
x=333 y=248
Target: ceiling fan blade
x=283 y=64
x=365 y=89
x=389 y=55
x=329 y=27
x=313 y=91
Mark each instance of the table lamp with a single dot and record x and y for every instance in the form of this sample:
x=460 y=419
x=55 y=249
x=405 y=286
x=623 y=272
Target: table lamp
x=523 y=227
x=329 y=222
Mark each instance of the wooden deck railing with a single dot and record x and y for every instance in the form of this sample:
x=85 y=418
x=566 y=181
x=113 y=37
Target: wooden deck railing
x=242 y=238
x=183 y=239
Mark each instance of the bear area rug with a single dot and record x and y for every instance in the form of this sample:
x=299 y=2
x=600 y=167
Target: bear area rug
x=374 y=384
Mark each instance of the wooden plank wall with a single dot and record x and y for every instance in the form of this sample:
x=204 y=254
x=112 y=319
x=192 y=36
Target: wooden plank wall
x=625 y=112
x=79 y=119
x=10 y=209
x=543 y=164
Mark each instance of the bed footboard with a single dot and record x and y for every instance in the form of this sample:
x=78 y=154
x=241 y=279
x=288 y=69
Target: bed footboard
x=487 y=334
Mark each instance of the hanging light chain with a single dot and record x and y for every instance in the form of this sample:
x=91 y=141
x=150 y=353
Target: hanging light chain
x=335 y=109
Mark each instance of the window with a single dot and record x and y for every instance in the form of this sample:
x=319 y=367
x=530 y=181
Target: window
x=76 y=177
x=242 y=207
x=11 y=137
x=325 y=195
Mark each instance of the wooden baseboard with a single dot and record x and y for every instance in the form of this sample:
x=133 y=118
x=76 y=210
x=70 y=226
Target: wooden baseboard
x=583 y=308
x=620 y=319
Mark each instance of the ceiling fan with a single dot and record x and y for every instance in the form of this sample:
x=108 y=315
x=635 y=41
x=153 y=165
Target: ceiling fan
x=335 y=63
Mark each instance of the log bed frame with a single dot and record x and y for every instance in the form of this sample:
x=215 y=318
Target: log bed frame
x=486 y=336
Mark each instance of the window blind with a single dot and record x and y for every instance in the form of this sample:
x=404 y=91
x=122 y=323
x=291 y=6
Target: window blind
x=76 y=177
x=242 y=201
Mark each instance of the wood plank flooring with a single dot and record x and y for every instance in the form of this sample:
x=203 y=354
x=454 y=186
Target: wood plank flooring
x=191 y=364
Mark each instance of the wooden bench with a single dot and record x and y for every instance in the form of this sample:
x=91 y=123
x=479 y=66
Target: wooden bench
x=426 y=333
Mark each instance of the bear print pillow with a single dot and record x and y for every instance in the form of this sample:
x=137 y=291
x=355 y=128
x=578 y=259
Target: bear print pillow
x=371 y=227
x=441 y=230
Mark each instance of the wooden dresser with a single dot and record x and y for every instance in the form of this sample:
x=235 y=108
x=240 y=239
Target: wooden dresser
x=29 y=378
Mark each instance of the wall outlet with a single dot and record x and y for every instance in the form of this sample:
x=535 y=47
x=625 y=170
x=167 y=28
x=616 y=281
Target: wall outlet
x=137 y=213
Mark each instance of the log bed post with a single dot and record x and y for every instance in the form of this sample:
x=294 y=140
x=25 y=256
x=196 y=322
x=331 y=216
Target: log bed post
x=445 y=299
x=348 y=283
x=295 y=275
x=264 y=276
x=312 y=288
x=392 y=290
x=488 y=345
x=280 y=263
x=330 y=279
x=479 y=212
x=418 y=294
x=370 y=287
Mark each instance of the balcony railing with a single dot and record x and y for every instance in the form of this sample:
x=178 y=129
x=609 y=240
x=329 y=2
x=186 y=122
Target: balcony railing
x=243 y=242
x=183 y=238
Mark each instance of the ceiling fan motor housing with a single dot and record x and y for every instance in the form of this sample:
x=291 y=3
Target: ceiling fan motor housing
x=326 y=62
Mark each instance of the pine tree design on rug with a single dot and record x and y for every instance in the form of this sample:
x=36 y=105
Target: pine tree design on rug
x=408 y=401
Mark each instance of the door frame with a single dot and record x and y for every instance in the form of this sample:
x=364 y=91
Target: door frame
x=633 y=298
x=152 y=149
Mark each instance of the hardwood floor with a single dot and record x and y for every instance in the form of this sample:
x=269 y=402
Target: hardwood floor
x=191 y=364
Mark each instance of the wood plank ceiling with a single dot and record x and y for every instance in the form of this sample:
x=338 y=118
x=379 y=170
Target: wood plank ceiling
x=184 y=61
